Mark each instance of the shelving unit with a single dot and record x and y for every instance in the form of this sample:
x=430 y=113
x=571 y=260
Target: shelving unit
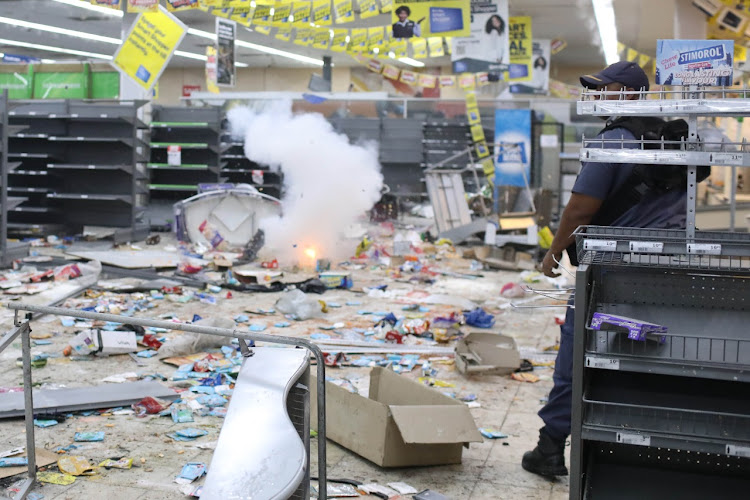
x=239 y=169
x=197 y=132
x=81 y=165
x=668 y=417
x=9 y=250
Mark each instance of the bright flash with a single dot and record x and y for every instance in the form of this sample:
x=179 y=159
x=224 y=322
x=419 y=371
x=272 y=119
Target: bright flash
x=310 y=252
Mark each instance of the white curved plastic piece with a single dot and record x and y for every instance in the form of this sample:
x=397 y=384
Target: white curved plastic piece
x=260 y=455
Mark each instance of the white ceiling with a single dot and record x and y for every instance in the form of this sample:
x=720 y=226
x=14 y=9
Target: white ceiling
x=640 y=23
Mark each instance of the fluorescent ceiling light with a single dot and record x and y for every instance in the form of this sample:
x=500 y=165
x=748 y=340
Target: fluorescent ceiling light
x=192 y=31
x=605 y=20
x=49 y=48
x=95 y=8
x=411 y=62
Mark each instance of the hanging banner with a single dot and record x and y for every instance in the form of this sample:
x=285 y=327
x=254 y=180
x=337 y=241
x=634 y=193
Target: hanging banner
x=139 y=6
x=284 y=33
x=339 y=43
x=694 y=62
x=113 y=4
x=539 y=83
x=467 y=81
x=225 y=34
x=281 y=14
x=321 y=38
x=149 y=46
x=303 y=36
x=375 y=37
x=358 y=40
x=368 y=8
x=447 y=81
x=436 y=46
x=512 y=147
x=408 y=77
x=301 y=12
x=557 y=45
x=430 y=18
x=391 y=72
x=519 y=45
x=427 y=81
x=386 y=6
x=262 y=15
x=344 y=11
x=321 y=12
x=486 y=47
x=177 y=5
x=211 y=70
x=419 y=48
x=399 y=47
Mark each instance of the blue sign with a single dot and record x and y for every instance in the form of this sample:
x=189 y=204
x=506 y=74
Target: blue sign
x=512 y=147
x=13 y=58
x=444 y=19
x=694 y=62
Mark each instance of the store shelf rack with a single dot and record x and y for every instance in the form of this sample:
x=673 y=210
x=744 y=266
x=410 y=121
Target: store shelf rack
x=197 y=132
x=9 y=250
x=82 y=165
x=239 y=169
x=673 y=409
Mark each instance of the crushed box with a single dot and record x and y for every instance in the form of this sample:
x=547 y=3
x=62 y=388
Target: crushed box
x=402 y=422
x=334 y=279
x=484 y=353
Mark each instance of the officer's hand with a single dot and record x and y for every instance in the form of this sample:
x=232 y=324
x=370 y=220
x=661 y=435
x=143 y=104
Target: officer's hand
x=549 y=264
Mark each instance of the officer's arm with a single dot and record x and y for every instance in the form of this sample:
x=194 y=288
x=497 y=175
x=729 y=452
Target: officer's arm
x=417 y=30
x=580 y=210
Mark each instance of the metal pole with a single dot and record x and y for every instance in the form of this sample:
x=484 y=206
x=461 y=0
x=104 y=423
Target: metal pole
x=733 y=185
x=28 y=397
x=4 y=175
x=220 y=332
x=692 y=187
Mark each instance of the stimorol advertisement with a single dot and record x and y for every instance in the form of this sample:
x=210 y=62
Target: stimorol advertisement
x=486 y=47
x=426 y=18
x=694 y=62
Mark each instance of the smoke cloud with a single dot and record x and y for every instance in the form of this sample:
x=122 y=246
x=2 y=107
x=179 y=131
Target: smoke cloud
x=328 y=182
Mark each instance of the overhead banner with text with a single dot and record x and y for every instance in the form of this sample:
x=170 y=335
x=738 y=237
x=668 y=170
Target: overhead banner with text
x=426 y=18
x=521 y=50
x=225 y=34
x=486 y=47
x=149 y=46
x=694 y=62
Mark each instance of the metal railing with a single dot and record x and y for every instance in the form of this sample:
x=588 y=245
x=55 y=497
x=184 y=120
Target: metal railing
x=23 y=328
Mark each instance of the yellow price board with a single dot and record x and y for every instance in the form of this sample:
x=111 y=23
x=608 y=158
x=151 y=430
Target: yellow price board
x=146 y=51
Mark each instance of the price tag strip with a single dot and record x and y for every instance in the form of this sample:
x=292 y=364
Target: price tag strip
x=636 y=439
x=738 y=451
x=704 y=248
x=646 y=246
x=600 y=245
x=602 y=363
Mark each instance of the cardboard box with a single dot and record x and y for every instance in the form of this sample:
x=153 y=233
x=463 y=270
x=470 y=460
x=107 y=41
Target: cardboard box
x=484 y=353
x=402 y=423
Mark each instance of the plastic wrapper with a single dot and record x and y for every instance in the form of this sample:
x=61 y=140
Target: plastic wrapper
x=123 y=463
x=298 y=305
x=149 y=406
x=190 y=472
x=479 y=318
x=75 y=466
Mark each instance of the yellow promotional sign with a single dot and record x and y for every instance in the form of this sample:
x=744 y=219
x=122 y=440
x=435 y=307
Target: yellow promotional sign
x=284 y=33
x=375 y=37
x=427 y=81
x=139 y=6
x=262 y=15
x=471 y=99
x=115 y=4
x=339 y=42
x=263 y=29
x=321 y=38
x=303 y=36
x=430 y=18
x=477 y=133
x=281 y=13
x=436 y=46
x=643 y=60
x=386 y=6
x=472 y=115
x=243 y=15
x=447 y=81
x=467 y=81
x=520 y=47
x=488 y=167
x=399 y=47
x=391 y=72
x=482 y=150
x=408 y=77
x=419 y=47
x=368 y=8
x=321 y=12
x=375 y=66
x=211 y=70
x=631 y=54
x=301 y=12
x=344 y=11
x=358 y=40
x=149 y=46
x=224 y=13
x=740 y=53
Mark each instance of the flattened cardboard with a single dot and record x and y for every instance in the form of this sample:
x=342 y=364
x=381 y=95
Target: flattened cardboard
x=402 y=423
x=484 y=353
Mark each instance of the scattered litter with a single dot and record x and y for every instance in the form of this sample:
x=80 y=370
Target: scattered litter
x=190 y=472
x=524 y=377
x=123 y=463
x=479 y=318
x=13 y=462
x=55 y=478
x=403 y=488
x=45 y=423
x=340 y=490
x=149 y=406
x=75 y=466
x=430 y=495
x=181 y=415
x=492 y=433
x=88 y=436
x=379 y=489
